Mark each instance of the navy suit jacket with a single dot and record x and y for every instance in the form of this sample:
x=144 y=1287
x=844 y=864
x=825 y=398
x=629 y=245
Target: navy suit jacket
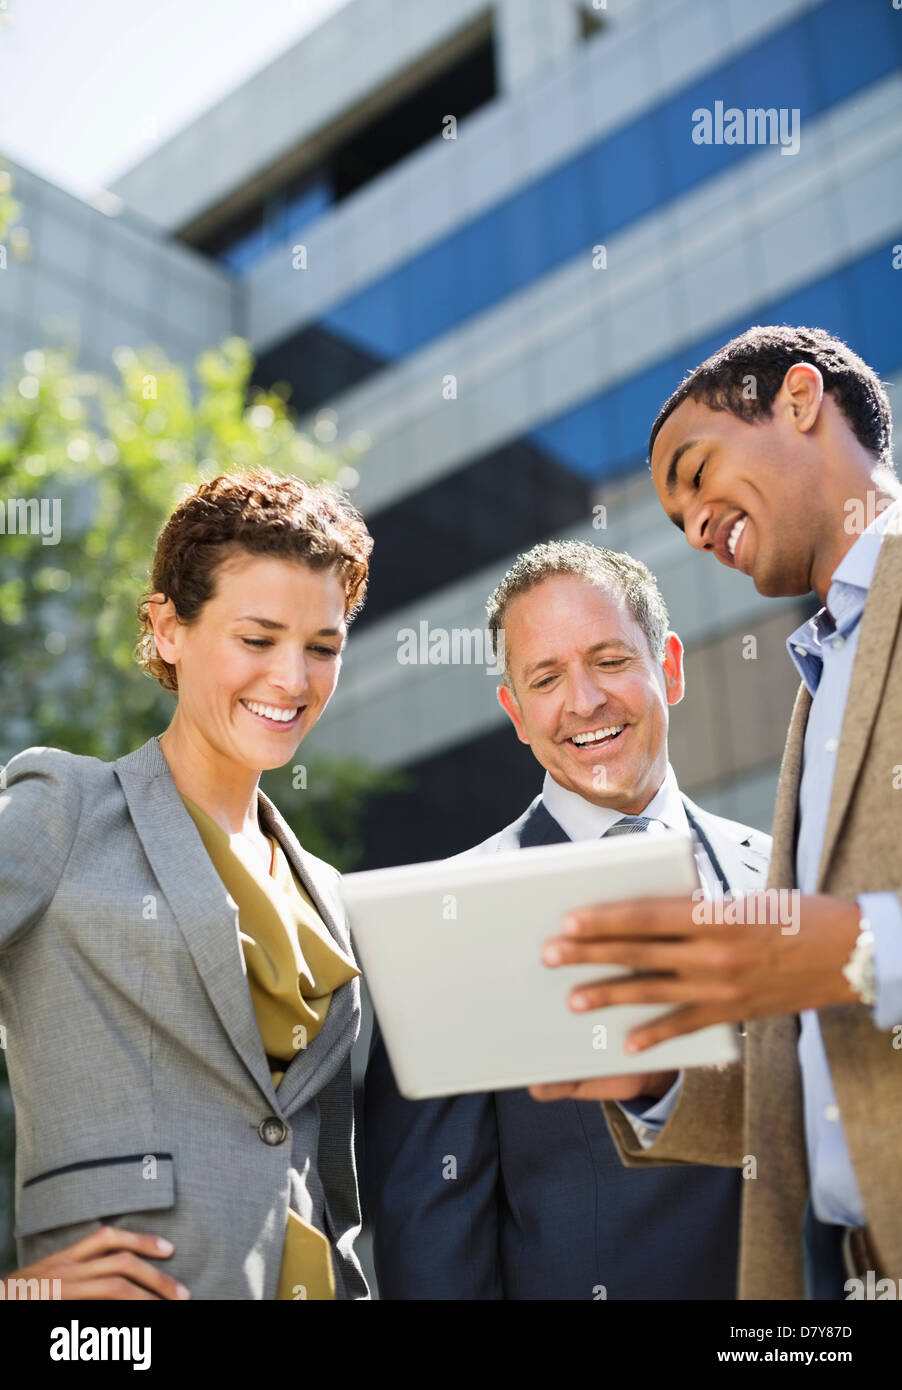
x=497 y=1196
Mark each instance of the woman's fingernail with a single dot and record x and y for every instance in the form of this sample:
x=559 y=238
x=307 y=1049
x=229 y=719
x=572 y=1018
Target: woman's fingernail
x=552 y=955
x=182 y=1291
x=570 y=926
x=165 y=1247
x=580 y=1001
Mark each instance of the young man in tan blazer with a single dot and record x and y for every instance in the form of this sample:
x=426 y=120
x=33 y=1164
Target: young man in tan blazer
x=775 y=455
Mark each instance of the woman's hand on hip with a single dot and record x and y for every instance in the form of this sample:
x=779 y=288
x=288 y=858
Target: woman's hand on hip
x=107 y=1264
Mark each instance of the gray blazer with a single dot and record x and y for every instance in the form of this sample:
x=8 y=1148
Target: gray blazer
x=142 y=1092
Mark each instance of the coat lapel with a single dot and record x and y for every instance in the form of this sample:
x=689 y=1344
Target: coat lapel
x=783 y=853
x=738 y=866
x=876 y=642
x=772 y=1219
x=205 y=912
x=208 y=918
x=537 y=826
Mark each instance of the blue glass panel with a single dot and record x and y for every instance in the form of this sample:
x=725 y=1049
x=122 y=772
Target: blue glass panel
x=625 y=165
x=429 y=287
x=638 y=402
x=371 y=320
x=303 y=209
x=525 y=243
x=851 y=45
x=606 y=435
x=777 y=73
x=623 y=176
x=563 y=212
x=572 y=439
x=824 y=305
x=246 y=252
x=875 y=291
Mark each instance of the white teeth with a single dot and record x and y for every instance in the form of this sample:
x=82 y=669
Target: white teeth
x=281 y=716
x=597 y=734
x=733 y=539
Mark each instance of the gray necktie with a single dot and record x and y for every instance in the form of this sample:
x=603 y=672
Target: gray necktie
x=630 y=825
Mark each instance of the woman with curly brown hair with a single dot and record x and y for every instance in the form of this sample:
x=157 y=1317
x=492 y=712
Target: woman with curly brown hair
x=200 y=1111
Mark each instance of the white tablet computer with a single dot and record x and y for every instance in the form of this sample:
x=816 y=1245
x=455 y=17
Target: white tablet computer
x=451 y=954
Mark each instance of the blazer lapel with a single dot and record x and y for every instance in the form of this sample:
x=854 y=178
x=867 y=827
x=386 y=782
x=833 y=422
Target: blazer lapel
x=783 y=853
x=205 y=912
x=537 y=826
x=731 y=859
x=876 y=641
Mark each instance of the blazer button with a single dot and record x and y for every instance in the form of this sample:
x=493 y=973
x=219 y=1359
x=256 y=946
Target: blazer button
x=272 y=1130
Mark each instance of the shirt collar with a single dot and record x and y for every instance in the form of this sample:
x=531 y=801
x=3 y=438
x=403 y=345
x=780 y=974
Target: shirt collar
x=846 y=598
x=583 y=820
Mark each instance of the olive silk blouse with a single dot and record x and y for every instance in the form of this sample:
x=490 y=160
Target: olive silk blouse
x=293 y=964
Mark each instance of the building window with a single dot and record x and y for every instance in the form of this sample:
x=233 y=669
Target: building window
x=592 y=20
x=460 y=87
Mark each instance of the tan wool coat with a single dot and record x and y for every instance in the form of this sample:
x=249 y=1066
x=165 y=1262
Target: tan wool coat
x=753 y=1108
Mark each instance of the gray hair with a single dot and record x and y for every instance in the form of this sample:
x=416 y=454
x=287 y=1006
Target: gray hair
x=613 y=570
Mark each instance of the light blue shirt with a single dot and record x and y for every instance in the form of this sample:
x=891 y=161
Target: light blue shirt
x=823 y=649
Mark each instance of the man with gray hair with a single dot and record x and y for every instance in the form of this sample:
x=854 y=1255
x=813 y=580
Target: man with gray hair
x=539 y=1205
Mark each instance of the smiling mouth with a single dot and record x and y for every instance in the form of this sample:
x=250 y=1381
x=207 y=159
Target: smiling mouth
x=733 y=538
x=596 y=738
x=274 y=716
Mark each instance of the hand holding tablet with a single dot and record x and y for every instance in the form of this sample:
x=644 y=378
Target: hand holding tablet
x=452 y=954
x=757 y=954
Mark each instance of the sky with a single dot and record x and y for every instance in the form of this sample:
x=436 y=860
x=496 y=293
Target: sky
x=88 y=87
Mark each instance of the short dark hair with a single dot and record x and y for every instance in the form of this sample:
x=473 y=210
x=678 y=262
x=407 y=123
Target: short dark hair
x=258 y=512
x=613 y=570
x=765 y=355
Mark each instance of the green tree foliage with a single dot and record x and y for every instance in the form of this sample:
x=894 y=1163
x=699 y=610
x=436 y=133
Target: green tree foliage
x=114 y=456
x=14 y=237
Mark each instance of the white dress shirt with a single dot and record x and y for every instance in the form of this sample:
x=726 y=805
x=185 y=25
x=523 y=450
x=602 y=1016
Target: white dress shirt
x=583 y=820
